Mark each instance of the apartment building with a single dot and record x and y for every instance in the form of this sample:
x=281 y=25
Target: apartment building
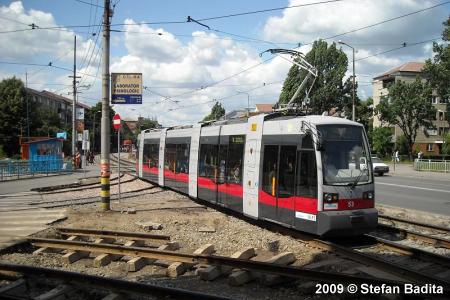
x=429 y=140
x=58 y=103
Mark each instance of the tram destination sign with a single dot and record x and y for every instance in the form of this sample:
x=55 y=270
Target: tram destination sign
x=126 y=88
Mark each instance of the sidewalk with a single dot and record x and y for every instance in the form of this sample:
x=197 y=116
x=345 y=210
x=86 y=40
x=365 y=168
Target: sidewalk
x=407 y=170
x=24 y=185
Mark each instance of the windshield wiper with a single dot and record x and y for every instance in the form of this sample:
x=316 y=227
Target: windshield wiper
x=357 y=179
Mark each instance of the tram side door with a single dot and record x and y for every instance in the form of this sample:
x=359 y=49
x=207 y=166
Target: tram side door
x=306 y=186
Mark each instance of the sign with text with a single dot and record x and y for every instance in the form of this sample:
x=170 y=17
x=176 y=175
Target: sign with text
x=80 y=113
x=126 y=88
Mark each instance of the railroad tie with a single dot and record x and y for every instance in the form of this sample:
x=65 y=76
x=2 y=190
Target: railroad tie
x=56 y=293
x=286 y=258
x=137 y=263
x=113 y=296
x=212 y=272
x=17 y=287
x=240 y=277
x=178 y=268
x=104 y=258
x=73 y=256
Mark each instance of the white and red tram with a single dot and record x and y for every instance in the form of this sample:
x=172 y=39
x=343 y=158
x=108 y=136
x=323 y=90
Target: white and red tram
x=312 y=173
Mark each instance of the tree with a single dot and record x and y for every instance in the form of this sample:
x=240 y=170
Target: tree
x=48 y=122
x=328 y=90
x=364 y=115
x=446 y=145
x=408 y=106
x=12 y=114
x=382 y=141
x=89 y=124
x=437 y=71
x=217 y=112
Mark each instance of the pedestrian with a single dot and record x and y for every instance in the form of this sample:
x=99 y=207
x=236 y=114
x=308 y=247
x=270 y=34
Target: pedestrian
x=397 y=159
x=78 y=160
x=420 y=154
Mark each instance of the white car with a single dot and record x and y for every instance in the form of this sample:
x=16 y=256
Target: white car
x=379 y=167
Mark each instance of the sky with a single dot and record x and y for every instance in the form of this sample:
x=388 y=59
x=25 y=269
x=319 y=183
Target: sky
x=187 y=66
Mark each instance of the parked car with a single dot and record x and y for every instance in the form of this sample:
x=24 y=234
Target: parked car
x=379 y=167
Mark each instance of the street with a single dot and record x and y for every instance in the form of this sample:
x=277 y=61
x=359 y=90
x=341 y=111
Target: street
x=425 y=194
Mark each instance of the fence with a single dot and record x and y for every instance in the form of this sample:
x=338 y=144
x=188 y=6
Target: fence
x=432 y=165
x=22 y=169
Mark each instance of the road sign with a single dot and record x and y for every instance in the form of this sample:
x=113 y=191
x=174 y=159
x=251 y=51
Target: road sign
x=86 y=145
x=126 y=88
x=80 y=113
x=79 y=137
x=116 y=122
x=85 y=135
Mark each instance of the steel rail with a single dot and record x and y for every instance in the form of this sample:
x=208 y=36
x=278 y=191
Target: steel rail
x=411 y=251
x=430 y=226
x=87 y=187
x=115 y=234
x=66 y=186
x=432 y=240
x=287 y=271
x=122 y=286
x=363 y=258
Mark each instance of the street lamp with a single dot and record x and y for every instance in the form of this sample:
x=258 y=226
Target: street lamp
x=248 y=101
x=353 y=94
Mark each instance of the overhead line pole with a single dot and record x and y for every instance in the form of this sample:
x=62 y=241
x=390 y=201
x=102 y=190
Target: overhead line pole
x=74 y=102
x=105 y=122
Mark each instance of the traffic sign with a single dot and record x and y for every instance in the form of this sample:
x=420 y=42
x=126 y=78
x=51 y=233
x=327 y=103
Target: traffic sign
x=116 y=122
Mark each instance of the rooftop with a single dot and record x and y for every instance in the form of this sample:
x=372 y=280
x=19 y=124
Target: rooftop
x=51 y=95
x=409 y=67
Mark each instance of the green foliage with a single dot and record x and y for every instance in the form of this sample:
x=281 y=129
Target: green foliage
x=144 y=123
x=48 y=123
x=364 y=115
x=437 y=71
x=328 y=90
x=382 y=141
x=12 y=114
x=446 y=145
x=217 y=112
x=89 y=124
x=408 y=106
x=401 y=144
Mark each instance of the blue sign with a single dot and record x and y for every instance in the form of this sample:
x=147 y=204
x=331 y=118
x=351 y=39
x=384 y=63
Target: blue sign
x=61 y=135
x=126 y=99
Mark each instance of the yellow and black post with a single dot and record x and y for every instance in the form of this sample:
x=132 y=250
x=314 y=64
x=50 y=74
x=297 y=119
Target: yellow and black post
x=105 y=123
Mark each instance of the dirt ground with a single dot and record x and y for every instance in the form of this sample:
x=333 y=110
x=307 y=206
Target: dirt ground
x=183 y=220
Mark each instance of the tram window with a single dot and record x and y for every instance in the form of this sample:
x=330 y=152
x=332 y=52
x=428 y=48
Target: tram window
x=270 y=169
x=306 y=174
x=287 y=171
x=223 y=168
x=307 y=142
x=182 y=158
x=170 y=157
x=234 y=162
x=151 y=155
x=208 y=161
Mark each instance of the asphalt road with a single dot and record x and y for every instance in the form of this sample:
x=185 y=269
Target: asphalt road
x=430 y=195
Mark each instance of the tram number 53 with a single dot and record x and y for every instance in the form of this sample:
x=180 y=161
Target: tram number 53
x=351 y=204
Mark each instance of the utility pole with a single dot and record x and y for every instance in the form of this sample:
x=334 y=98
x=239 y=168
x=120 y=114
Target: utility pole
x=74 y=102
x=26 y=96
x=105 y=123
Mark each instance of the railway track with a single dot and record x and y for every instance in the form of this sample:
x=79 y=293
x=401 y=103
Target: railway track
x=375 y=259
x=436 y=236
x=140 y=249
x=25 y=278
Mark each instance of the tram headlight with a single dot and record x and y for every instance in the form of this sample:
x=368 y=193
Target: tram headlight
x=330 y=197
x=369 y=195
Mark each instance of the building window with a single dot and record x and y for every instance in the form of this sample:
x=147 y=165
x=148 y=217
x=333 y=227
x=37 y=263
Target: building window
x=434 y=100
x=429 y=147
x=440 y=115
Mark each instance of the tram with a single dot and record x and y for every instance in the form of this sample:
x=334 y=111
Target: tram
x=311 y=173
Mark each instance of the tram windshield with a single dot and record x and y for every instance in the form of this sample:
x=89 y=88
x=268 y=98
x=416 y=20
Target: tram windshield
x=345 y=155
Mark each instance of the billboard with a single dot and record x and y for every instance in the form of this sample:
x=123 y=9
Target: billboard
x=126 y=88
